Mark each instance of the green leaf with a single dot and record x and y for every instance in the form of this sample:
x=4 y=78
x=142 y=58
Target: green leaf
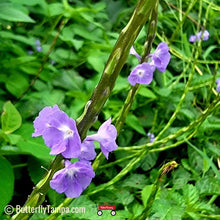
x=134 y=123
x=145 y=193
x=33 y=146
x=145 y=92
x=136 y=181
x=190 y=194
x=165 y=210
x=10 y=118
x=16 y=84
x=6 y=183
x=36 y=168
x=208 y=186
x=149 y=161
x=10 y=13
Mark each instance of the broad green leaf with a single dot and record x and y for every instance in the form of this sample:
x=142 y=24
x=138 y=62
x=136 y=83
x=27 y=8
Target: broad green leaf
x=10 y=118
x=6 y=183
x=37 y=168
x=136 y=181
x=145 y=92
x=145 y=193
x=55 y=9
x=17 y=84
x=32 y=145
x=10 y=13
x=134 y=123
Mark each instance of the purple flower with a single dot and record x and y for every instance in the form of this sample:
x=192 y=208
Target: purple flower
x=152 y=137
x=30 y=52
x=106 y=136
x=72 y=179
x=160 y=58
x=218 y=85
x=37 y=42
x=59 y=132
x=197 y=37
x=133 y=52
x=39 y=49
x=87 y=151
x=142 y=74
x=38 y=45
x=52 y=62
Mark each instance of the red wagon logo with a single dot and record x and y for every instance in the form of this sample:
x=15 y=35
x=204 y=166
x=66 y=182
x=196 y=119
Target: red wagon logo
x=106 y=206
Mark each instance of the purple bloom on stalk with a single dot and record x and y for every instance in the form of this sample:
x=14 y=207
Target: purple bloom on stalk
x=218 y=85
x=73 y=179
x=197 y=37
x=87 y=151
x=133 y=52
x=142 y=74
x=106 y=136
x=160 y=58
x=59 y=132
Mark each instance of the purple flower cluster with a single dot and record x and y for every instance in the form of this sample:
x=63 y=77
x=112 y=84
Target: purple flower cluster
x=38 y=45
x=151 y=137
x=143 y=73
x=197 y=37
x=61 y=135
x=218 y=85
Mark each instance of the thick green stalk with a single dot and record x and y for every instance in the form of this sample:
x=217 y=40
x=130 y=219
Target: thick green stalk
x=40 y=190
x=147 y=48
x=114 y=65
x=100 y=95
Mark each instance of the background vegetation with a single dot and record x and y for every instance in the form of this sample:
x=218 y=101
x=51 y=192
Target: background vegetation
x=54 y=52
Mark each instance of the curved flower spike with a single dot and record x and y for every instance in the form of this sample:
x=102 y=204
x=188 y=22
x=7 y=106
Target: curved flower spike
x=59 y=132
x=160 y=57
x=72 y=179
x=142 y=74
x=106 y=136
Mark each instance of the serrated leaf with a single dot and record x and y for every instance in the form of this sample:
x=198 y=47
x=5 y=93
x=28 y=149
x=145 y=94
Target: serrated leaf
x=164 y=210
x=208 y=186
x=6 y=183
x=134 y=123
x=190 y=194
x=10 y=118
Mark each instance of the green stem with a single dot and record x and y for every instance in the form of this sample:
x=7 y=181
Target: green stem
x=114 y=65
x=40 y=190
x=126 y=107
x=164 y=170
x=100 y=95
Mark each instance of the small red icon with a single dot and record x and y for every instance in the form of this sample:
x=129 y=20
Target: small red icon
x=106 y=206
